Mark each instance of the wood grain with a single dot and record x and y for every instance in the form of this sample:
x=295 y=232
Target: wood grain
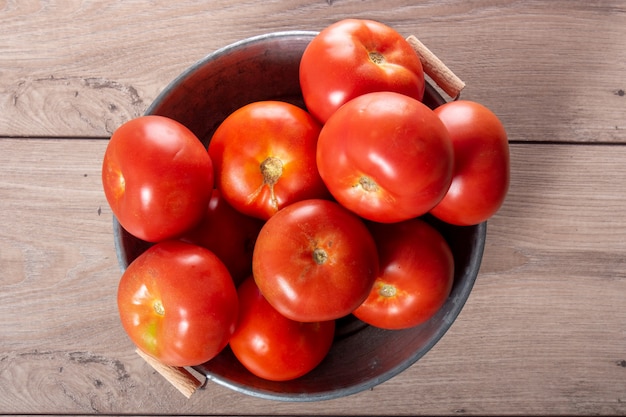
x=552 y=70
x=542 y=332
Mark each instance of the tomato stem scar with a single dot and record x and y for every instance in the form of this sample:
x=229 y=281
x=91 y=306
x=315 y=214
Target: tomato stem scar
x=320 y=256
x=158 y=308
x=376 y=57
x=387 y=290
x=272 y=169
x=368 y=184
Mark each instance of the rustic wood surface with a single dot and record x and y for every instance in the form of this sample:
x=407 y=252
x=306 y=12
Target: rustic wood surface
x=544 y=331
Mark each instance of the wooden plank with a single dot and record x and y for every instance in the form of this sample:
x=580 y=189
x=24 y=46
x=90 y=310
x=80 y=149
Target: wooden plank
x=542 y=332
x=553 y=71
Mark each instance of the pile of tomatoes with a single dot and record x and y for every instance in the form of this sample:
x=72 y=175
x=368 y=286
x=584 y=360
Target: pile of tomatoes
x=296 y=217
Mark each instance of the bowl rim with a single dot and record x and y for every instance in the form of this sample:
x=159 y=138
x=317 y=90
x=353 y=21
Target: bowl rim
x=225 y=50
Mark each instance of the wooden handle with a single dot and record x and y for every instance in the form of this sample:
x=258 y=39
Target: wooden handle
x=181 y=378
x=437 y=70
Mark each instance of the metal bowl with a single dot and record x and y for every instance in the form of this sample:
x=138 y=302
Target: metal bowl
x=266 y=68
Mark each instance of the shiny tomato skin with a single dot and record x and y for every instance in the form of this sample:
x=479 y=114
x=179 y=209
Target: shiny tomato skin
x=227 y=233
x=315 y=261
x=482 y=163
x=385 y=156
x=356 y=56
x=264 y=157
x=415 y=279
x=272 y=346
x=157 y=177
x=178 y=303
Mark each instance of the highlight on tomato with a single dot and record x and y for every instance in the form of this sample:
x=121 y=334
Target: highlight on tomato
x=264 y=157
x=178 y=303
x=385 y=156
x=272 y=346
x=415 y=279
x=353 y=57
x=481 y=167
x=157 y=177
x=315 y=261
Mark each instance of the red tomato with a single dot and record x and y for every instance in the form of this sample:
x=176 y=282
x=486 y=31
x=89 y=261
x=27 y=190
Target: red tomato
x=481 y=168
x=416 y=275
x=385 y=156
x=264 y=156
x=178 y=303
x=314 y=261
x=157 y=177
x=229 y=234
x=353 y=57
x=272 y=346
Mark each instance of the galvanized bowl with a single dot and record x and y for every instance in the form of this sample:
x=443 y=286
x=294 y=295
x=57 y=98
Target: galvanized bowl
x=266 y=68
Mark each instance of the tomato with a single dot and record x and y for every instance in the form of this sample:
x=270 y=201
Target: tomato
x=481 y=168
x=385 y=156
x=353 y=57
x=264 y=156
x=157 y=177
x=229 y=234
x=178 y=303
x=272 y=346
x=314 y=261
x=415 y=279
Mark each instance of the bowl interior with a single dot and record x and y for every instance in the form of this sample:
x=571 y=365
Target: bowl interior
x=266 y=68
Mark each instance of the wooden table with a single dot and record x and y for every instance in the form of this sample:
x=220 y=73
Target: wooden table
x=544 y=330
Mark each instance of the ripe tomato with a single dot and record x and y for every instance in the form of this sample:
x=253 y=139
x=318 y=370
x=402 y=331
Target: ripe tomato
x=272 y=346
x=157 y=177
x=314 y=261
x=385 y=156
x=416 y=275
x=481 y=168
x=353 y=57
x=178 y=303
x=229 y=234
x=264 y=156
